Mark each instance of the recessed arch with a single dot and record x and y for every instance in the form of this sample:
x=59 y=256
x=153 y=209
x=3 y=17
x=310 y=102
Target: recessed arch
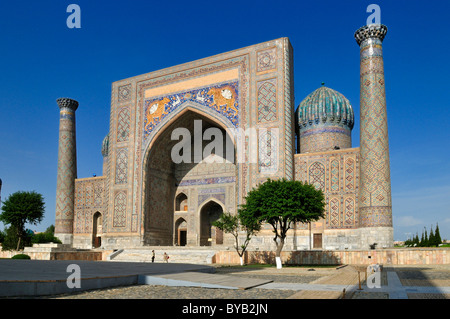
x=164 y=195
x=181 y=202
x=209 y=212
x=97 y=222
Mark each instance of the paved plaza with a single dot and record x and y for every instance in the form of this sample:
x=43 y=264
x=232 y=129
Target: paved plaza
x=125 y=280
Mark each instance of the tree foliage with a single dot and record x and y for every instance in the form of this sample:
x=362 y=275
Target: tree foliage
x=233 y=224
x=433 y=240
x=21 y=208
x=281 y=203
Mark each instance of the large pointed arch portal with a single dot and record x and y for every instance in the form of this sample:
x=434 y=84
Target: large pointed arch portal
x=165 y=176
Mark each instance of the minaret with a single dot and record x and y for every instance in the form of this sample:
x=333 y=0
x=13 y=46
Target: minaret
x=375 y=206
x=67 y=171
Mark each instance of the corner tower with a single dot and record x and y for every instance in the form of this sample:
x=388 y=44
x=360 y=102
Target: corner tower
x=67 y=171
x=375 y=204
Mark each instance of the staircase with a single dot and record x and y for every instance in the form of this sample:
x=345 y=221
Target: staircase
x=187 y=255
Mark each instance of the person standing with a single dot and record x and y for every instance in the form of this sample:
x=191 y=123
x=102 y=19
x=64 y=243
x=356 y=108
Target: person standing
x=153 y=256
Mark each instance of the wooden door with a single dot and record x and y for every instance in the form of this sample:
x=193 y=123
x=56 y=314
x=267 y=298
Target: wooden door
x=317 y=241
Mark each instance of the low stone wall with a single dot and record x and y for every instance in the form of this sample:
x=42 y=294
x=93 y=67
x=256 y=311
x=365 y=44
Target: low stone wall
x=58 y=252
x=409 y=256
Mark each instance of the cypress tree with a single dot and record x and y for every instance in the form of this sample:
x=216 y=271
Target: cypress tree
x=437 y=236
x=431 y=239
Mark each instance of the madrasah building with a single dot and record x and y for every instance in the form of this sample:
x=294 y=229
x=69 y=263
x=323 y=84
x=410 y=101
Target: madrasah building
x=147 y=198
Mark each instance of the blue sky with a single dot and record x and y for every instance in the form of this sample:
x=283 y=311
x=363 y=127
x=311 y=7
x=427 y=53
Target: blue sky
x=41 y=59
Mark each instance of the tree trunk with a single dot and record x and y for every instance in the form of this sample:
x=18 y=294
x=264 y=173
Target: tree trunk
x=280 y=245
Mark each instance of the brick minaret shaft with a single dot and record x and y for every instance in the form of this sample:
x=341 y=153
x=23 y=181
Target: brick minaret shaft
x=67 y=171
x=375 y=206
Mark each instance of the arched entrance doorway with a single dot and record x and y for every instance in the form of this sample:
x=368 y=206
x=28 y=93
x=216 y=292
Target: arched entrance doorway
x=210 y=235
x=181 y=232
x=97 y=230
x=165 y=179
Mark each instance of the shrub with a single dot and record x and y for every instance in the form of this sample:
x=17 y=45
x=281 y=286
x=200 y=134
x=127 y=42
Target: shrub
x=45 y=237
x=20 y=256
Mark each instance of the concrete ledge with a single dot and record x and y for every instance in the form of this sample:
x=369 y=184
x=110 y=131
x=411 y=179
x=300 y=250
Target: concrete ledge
x=56 y=287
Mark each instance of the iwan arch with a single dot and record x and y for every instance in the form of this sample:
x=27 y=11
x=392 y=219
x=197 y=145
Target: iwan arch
x=146 y=198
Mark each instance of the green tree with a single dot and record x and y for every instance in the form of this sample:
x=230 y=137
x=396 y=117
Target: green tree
x=281 y=203
x=437 y=236
x=21 y=208
x=11 y=239
x=416 y=240
x=46 y=237
x=232 y=224
x=431 y=239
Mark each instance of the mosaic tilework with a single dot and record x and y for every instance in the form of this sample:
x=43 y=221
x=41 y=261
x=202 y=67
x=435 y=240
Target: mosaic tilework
x=89 y=199
x=206 y=181
x=266 y=60
x=124 y=93
x=268 y=151
x=205 y=197
x=349 y=209
x=120 y=209
x=122 y=166
x=222 y=98
x=317 y=175
x=375 y=197
x=267 y=101
x=334 y=212
x=123 y=125
x=334 y=176
x=336 y=173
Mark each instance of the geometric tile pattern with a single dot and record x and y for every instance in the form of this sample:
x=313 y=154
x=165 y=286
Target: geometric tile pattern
x=349 y=209
x=267 y=101
x=334 y=212
x=349 y=179
x=334 y=176
x=268 y=151
x=120 y=209
x=124 y=93
x=266 y=60
x=123 y=125
x=121 y=166
x=317 y=175
x=89 y=199
x=340 y=184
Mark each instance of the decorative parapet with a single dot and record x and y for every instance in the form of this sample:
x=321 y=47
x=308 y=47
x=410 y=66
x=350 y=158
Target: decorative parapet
x=370 y=31
x=67 y=103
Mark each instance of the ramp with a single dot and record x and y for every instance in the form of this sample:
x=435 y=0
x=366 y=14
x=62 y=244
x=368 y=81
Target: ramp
x=203 y=280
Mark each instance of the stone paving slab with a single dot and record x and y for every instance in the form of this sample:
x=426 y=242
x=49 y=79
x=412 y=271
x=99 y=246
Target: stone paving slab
x=197 y=279
x=42 y=277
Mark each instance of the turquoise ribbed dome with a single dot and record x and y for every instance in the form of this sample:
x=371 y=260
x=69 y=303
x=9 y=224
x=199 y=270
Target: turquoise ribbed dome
x=325 y=105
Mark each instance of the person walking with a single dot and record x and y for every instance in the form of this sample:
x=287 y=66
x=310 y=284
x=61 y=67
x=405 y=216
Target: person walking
x=166 y=257
x=153 y=256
